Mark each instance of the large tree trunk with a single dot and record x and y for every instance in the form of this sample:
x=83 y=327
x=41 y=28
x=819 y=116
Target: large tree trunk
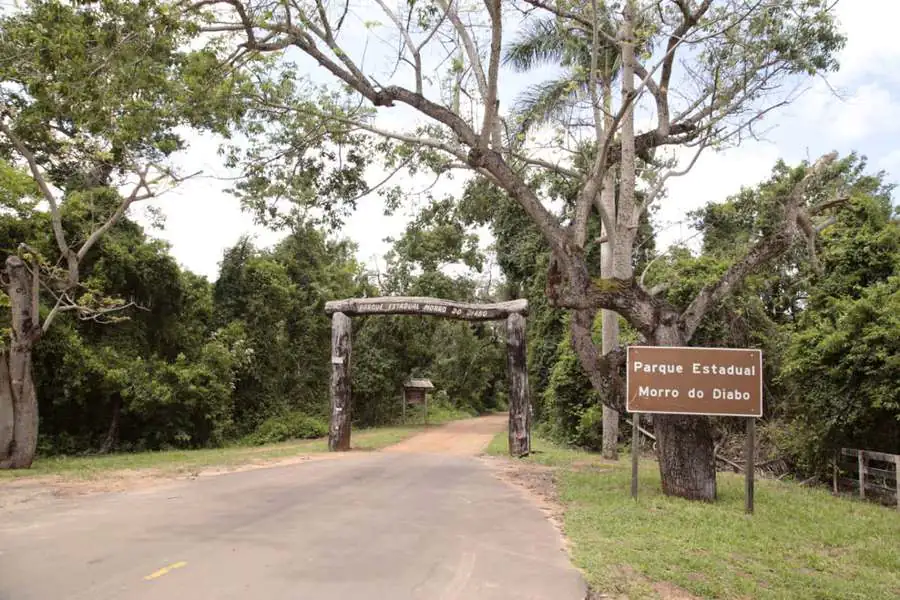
x=18 y=400
x=686 y=451
x=7 y=411
x=687 y=465
x=519 y=402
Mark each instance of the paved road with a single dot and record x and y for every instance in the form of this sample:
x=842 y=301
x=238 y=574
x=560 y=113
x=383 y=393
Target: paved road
x=392 y=525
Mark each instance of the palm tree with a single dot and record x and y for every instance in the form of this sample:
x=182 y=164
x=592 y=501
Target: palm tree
x=546 y=42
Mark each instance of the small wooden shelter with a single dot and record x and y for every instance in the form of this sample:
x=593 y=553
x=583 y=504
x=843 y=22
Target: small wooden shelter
x=415 y=391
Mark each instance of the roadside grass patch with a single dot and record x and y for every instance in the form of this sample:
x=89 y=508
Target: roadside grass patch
x=801 y=543
x=186 y=461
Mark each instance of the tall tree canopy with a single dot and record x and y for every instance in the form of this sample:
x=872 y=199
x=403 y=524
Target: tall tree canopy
x=707 y=71
x=92 y=95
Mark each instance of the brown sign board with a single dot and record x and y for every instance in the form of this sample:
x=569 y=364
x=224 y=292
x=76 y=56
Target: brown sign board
x=694 y=381
x=414 y=396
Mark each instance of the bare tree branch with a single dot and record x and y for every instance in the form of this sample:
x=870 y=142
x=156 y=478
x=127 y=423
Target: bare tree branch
x=49 y=196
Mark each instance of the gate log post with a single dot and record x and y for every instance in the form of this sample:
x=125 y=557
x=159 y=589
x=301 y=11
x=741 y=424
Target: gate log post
x=519 y=405
x=341 y=404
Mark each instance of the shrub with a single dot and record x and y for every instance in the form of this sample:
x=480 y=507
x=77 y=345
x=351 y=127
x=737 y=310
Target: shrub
x=288 y=426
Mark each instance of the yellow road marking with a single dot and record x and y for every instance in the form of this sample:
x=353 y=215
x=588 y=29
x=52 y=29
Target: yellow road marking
x=165 y=570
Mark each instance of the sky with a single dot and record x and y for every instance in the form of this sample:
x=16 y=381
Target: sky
x=856 y=109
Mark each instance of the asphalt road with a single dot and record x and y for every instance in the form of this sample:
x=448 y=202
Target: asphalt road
x=392 y=525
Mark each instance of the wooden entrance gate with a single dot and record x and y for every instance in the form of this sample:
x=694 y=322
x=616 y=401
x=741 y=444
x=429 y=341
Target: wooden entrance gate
x=341 y=344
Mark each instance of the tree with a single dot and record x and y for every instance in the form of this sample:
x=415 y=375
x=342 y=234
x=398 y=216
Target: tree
x=841 y=365
x=546 y=41
x=727 y=61
x=92 y=96
x=273 y=302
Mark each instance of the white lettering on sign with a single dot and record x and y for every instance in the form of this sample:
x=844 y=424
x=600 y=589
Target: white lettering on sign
x=725 y=394
x=698 y=381
x=640 y=367
x=649 y=392
x=696 y=369
x=701 y=369
x=434 y=309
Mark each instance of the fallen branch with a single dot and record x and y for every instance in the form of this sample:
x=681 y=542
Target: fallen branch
x=642 y=430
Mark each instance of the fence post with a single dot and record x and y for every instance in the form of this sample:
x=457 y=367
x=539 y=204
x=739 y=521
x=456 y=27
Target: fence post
x=834 y=475
x=897 y=477
x=861 y=461
x=750 y=464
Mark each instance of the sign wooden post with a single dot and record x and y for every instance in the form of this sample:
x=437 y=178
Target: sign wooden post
x=750 y=464
x=635 y=452
x=697 y=381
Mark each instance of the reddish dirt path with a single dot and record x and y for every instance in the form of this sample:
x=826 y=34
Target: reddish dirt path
x=468 y=437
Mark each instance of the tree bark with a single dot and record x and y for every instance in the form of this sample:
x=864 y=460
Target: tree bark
x=18 y=443
x=7 y=410
x=341 y=403
x=610 y=341
x=519 y=405
x=685 y=445
x=687 y=464
x=112 y=434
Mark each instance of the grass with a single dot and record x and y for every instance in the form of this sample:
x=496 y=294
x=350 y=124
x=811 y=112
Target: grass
x=801 y=543
x=177 y=461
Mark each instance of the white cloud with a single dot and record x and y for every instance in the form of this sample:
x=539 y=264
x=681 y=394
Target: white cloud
x=848 y=116
x=714 y=177
x=890 y=163
x=872 y=48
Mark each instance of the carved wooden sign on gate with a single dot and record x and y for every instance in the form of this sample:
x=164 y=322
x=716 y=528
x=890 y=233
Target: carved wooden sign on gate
x=426 y=306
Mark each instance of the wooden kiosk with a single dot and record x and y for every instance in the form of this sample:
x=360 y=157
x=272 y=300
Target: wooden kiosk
x=415 y=392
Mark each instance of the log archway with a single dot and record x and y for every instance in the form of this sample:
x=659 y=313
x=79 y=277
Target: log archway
x=341 y=345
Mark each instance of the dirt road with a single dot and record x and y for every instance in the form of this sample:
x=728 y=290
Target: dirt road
x=396 y=525
x=458 y=438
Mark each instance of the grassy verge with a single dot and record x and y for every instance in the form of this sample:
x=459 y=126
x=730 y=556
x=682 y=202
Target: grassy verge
x=178 y=461
x=801 y=544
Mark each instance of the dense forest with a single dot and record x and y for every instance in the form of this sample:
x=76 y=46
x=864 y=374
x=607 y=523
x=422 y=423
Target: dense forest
x=193 y=363
x=145 y=355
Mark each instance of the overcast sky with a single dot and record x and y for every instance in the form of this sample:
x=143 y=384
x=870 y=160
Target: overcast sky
x=202 y=220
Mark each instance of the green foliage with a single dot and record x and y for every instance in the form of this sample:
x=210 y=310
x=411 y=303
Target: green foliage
x=289 y=426
x=570 y=402
x=842 y=364
x=97 y=86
